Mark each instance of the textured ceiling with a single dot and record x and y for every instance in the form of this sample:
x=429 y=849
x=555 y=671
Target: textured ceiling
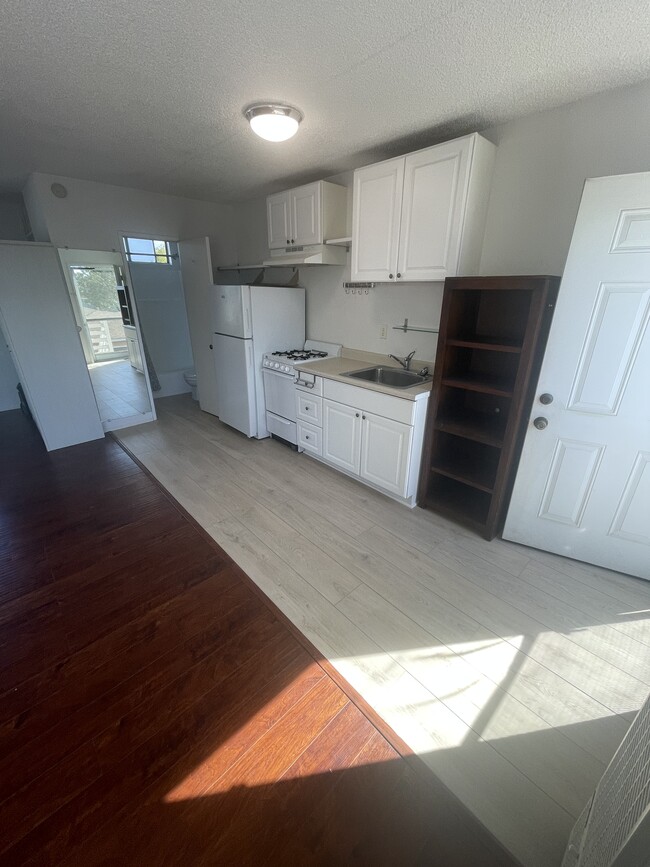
x=149 y=93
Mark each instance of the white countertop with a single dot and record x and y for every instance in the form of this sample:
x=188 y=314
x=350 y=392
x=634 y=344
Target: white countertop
x=333 y=368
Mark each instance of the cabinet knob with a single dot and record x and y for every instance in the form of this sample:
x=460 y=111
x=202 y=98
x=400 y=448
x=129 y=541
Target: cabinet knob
x=357 y=414
x=390 y=276
x=398 y=274
x=292 y=241
x=306 y=436
x=211 y=346
x=546 y=398
x=540 y=423
x=363 y=417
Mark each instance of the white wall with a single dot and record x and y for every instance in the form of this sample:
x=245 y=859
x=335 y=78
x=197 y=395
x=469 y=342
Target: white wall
x=12 y=212
x=37 y=320
x=158 y=290
x=542 y=163
x=8 y=378
x=92 y=216
x=34 y=206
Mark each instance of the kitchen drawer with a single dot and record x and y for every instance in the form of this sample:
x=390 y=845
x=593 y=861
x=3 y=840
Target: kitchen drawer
x=309 y=382
x=310 y=438
x=309 y=408
x=397 y=408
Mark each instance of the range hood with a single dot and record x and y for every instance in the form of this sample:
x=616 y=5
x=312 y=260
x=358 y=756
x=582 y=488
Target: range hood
x=311 y=254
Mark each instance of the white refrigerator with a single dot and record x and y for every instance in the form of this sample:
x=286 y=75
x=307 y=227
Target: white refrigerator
x=248 y=321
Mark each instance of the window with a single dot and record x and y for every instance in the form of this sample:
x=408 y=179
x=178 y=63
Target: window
x=149 y=250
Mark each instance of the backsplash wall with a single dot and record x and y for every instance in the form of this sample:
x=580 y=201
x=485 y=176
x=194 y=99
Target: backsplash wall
x=355 y=320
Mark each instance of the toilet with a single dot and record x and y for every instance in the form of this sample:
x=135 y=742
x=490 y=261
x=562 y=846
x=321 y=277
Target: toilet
x=190 y=378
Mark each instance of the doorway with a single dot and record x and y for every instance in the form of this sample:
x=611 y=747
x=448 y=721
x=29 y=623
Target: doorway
x=110 y=336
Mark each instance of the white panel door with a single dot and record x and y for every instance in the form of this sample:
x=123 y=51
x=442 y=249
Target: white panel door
x=435 y=187
x=342 y=436
x=198 y=285
x=583 y=485
x=278 y=215
x=385 y=448
x=376 y=206
x=306 y=214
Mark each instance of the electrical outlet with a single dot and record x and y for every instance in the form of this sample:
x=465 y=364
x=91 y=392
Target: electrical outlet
x=383 y=331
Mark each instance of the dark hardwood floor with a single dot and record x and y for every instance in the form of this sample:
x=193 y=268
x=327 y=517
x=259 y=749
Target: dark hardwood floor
x=154 y=709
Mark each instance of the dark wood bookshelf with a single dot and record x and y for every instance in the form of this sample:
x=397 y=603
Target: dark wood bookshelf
x=485 y=343
x=486 y=383
x=493 y=333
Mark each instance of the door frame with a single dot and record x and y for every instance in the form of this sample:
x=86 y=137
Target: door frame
x=70 y=257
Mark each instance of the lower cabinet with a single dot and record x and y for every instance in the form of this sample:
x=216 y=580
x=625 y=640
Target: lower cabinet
x=375 y=448
x=372 y=435
x=309 y=438
x=342 y=436
x=385 y=451
x=133 y=348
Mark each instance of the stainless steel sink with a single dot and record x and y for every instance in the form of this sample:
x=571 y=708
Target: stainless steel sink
x=391 y=376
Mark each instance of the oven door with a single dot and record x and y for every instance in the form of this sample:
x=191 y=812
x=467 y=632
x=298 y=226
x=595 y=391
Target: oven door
x=280 y=394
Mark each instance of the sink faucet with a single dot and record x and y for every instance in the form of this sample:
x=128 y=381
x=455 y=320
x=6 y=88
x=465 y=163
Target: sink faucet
x=405 y=362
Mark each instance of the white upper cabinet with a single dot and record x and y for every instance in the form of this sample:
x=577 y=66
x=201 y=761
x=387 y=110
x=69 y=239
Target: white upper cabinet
x=422 y=216
x=376 y=204
x=278 y=215
x=306 y=215
x=435 y=187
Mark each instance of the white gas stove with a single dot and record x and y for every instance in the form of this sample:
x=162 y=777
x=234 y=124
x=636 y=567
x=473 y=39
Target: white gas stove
x=280 y=375
x=283 y=360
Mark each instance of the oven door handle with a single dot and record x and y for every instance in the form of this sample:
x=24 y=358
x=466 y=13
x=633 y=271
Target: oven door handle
x=303 y=383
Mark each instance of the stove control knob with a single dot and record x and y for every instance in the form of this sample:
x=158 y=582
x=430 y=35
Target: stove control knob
x=276 y=365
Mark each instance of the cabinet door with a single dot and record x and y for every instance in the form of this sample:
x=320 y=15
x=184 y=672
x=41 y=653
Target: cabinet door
x=376 y=205
x=310 y=438
x=385 y=452
x=308 y=408
x=306 y=214
x=278 y=216
x=342 y=435
x=433 y=209
x=132 y=348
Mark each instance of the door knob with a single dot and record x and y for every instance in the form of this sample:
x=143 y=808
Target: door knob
x=546 y=398
x=540 y=422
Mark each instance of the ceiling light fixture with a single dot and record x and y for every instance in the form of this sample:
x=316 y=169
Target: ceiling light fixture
x=272 y=121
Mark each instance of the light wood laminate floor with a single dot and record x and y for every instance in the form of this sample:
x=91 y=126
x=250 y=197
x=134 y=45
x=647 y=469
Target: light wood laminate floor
x=512 y=672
